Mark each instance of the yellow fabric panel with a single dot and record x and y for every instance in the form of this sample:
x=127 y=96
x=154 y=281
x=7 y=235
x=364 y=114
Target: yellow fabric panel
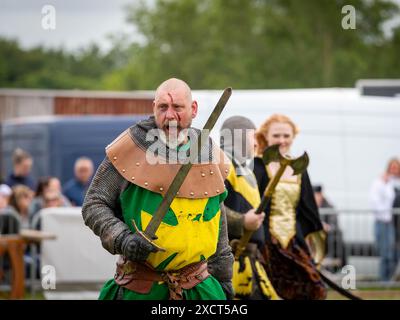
x=282 y=223
x=316 y=242
x=190 y=239
x=242 y=281
x=240 y=185
x=266 y=286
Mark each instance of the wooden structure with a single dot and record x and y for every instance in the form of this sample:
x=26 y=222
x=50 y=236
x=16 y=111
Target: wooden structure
x=15 y=103
x=14 y=246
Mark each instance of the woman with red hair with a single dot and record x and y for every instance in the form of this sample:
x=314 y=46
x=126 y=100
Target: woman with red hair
x=295 y=240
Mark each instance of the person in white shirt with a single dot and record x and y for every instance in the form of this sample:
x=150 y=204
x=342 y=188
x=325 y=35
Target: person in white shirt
x=382 y=194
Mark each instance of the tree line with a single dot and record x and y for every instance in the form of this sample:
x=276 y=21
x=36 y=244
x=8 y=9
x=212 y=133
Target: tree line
x=246 y=44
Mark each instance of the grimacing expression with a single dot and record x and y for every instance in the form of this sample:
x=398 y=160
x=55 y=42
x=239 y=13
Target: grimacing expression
x=174 y=109
x=280 y=133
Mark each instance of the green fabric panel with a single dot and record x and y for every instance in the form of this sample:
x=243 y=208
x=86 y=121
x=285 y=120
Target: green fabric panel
x=209 y=289
x=109 y=290
x=166 y=262
x=135 y=199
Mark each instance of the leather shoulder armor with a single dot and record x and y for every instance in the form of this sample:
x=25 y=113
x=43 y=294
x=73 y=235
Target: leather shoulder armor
x=146 y=170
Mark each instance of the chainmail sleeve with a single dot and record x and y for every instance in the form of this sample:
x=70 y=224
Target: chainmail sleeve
x=220 y=264
x=101 y=207
x=235 y=223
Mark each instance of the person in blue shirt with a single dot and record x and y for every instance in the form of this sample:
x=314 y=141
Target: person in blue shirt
x=22 y=167
x=75 y=189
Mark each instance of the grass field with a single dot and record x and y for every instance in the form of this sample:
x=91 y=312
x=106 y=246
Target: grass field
x=366 y=294
x=369 y=294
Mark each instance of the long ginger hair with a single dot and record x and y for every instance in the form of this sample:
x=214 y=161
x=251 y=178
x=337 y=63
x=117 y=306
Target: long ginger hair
x=261 y=133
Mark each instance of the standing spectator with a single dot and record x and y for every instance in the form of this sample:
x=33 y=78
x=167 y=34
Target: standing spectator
x=75 y=189
x=396 y=218
x=382 y=195
x=20 y=201
x=22 y=166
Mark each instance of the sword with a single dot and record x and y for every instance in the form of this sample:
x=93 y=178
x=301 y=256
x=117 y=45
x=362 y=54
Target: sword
x=150 y=232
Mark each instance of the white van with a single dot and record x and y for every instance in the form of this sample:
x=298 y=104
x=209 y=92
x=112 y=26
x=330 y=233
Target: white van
x=349 y=138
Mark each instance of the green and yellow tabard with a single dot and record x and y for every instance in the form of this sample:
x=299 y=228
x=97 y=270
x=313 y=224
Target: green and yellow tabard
x=189 y=232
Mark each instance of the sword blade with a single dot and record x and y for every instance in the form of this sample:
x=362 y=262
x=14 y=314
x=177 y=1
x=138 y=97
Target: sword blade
x=176 y=184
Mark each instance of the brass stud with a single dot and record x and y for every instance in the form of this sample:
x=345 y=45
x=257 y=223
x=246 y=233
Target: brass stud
x=161 y=189
x=203 y=174
x=123 y=170
x=217 y=191
x=146 y=184
x=206 y=193
x=133 y=178
x=177 y=193
x=226 y=170
x=137 y=164
x=115 y=158
x=192 y=194
x=211 y=172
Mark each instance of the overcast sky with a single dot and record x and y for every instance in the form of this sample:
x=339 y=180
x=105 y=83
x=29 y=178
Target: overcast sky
x=78 y=22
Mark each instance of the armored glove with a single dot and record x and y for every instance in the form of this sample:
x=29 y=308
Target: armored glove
x=136 y=248
x=228 y=289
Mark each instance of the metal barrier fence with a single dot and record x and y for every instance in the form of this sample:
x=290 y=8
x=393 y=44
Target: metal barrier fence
x=352 y=242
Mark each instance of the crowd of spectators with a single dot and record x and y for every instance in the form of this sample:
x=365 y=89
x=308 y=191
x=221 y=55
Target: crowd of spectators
x=22 y=197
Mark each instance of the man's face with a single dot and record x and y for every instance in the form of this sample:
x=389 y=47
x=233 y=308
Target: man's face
x=84 y=171
x=174 y=111
x=24 y=168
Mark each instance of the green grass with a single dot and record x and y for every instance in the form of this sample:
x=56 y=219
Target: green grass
x=369 y=294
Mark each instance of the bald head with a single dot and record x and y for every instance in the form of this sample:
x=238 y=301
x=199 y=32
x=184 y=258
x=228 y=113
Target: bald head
x=174 y=106
x=174 y=85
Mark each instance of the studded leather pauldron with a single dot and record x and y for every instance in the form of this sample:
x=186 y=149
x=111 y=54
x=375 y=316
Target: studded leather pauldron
x=204 y=180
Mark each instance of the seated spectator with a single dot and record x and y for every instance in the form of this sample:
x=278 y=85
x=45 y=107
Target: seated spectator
x=9 y=223
x=5 y=193
x=22 y=167
x=46 y=184
x=20 y=201
x=75 y=189
x=52 y=199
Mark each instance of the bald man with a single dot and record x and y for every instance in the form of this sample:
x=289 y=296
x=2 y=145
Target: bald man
x=129 y=187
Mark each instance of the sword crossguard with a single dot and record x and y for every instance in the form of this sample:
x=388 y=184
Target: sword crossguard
x=148 y=239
